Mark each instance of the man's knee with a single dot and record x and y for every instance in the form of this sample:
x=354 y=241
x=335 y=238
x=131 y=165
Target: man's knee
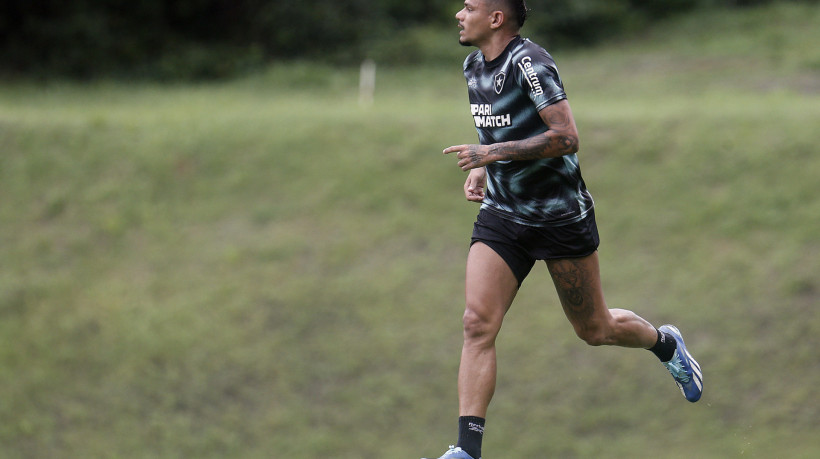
x=479 y=326
x=592 y=334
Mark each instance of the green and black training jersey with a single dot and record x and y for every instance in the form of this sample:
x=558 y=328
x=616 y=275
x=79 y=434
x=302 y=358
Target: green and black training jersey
x=506 y=95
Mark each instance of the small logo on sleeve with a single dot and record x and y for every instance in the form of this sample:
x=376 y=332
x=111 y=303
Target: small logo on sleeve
x=532 y=77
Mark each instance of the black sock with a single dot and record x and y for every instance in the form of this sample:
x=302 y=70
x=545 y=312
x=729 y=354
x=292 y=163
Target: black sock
x=470 y=434
x=665 y=347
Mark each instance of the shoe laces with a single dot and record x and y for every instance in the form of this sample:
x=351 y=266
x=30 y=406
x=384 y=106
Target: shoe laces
x=675 y=367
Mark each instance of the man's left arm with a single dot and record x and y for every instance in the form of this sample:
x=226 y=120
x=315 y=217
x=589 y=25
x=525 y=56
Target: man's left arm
x=560 y=138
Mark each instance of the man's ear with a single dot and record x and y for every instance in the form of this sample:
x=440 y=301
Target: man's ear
x=497 y=19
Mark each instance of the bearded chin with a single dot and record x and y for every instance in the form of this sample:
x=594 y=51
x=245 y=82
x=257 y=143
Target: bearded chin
x=464 y=42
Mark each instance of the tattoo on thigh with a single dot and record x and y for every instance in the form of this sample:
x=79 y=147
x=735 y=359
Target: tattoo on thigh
x=571 y=283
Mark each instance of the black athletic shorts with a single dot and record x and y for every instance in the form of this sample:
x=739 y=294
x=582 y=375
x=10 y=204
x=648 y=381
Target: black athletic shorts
x=520 y=245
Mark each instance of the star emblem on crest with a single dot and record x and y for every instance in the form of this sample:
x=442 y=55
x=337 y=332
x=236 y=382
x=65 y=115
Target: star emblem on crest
x=499 y=82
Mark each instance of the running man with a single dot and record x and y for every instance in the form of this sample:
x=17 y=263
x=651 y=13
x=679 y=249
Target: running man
x=534 y=206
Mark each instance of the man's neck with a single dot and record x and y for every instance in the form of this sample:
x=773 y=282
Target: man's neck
x=495 y=46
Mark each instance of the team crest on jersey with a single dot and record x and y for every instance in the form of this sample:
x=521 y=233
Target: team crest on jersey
x=499 y=82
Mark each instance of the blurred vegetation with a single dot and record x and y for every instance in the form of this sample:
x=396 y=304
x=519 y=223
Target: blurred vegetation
x=263 y=268
x=205 y=39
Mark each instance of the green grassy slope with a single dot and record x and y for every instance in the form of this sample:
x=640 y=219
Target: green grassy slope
x=263 y=268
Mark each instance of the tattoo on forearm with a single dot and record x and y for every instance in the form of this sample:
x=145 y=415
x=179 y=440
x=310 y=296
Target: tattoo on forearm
x=546 y=145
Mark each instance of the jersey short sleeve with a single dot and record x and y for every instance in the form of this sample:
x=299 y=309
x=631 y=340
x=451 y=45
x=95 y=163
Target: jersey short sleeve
x=538 y=76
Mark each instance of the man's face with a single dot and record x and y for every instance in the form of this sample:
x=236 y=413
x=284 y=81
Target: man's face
x=474 y=20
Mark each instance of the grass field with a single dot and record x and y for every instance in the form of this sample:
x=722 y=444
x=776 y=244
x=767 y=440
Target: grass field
x=262 y=268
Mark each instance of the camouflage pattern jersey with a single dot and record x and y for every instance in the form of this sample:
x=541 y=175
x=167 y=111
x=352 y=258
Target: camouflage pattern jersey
x=506 y=95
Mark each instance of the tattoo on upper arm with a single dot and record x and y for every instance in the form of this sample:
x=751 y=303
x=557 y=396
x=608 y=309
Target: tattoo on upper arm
x=558 y=119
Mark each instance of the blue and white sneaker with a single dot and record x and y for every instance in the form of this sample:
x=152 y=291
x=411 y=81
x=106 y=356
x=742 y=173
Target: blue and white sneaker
x=683 y=367
x=455 y=453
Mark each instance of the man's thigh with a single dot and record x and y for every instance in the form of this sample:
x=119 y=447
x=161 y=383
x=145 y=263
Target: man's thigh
x=491 y=285
x=578 y=283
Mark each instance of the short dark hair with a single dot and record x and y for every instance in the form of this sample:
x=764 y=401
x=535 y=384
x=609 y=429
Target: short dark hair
x=517 y=7
x=520 y=9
